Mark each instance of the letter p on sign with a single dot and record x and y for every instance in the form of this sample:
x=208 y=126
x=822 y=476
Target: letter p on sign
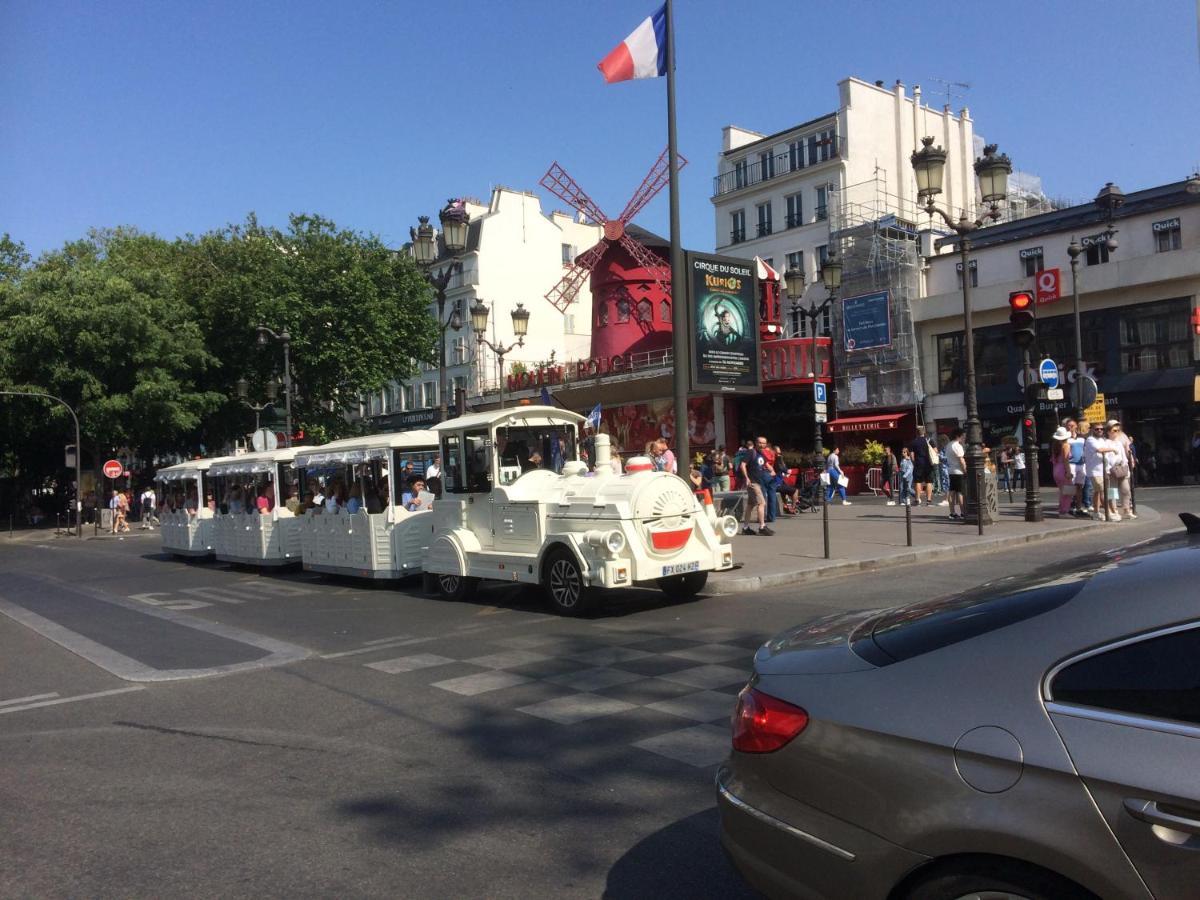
x=1047 y=286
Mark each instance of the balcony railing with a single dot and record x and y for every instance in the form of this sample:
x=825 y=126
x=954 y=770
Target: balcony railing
x=764 y=229
x=737 y=237
x=781 y=164
x=793 y=220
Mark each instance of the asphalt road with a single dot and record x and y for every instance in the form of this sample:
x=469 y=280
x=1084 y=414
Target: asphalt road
x=194 y=729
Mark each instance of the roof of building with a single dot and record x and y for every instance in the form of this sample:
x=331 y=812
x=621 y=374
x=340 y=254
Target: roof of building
x=1082 y=219
x=778 y=134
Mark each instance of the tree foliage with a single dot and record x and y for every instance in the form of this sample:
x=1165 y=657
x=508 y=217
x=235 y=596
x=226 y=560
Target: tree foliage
x=356 y=313
x=147 y=338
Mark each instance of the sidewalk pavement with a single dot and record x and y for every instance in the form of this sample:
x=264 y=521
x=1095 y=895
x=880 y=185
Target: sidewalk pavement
x=868 y=534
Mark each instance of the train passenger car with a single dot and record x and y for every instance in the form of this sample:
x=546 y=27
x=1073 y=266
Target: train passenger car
x=257 y=499
x=519 y=505
x=363 y=527
x=185 y=518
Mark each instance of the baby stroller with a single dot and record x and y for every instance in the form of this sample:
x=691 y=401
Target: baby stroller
x=808 y=496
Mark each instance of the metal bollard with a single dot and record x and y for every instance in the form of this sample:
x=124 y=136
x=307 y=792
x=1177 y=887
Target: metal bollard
x=908 y=521
x=1104 y=483
x=979 y=479
x=825 y=521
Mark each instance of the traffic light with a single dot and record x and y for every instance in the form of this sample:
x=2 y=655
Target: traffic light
x=1021 y=317
x=1029 y=429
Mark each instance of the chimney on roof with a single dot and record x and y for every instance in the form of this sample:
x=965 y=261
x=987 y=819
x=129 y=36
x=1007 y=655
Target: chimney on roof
x=879 y=83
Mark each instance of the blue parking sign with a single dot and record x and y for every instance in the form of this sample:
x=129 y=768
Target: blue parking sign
x=819 y=391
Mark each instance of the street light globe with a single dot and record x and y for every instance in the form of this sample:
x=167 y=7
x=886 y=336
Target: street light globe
x=454 y=218
x=793 y=279
x=424 y=247
x=992 y=172
x=479 y=317
x=929 y=165
x=242 y=387
x=831 y=273
x=520 y=321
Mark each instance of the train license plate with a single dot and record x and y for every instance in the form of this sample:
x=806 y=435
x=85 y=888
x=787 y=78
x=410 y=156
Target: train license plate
x=681 y=568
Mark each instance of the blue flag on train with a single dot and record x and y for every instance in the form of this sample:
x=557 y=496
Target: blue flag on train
x=594 y=418
x=545 y=397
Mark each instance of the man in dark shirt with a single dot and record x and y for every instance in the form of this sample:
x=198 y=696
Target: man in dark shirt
x=922 y=466
x=752 y=467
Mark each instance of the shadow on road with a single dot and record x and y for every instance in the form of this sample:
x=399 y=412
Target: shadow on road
x=684 y=859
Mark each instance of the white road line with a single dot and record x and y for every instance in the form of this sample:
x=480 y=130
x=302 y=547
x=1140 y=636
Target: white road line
x=407 y=643
x=10 y=709
x=394 y=637
x=27 y=699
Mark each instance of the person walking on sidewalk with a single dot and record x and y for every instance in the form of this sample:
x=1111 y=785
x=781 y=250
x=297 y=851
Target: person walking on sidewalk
x=906 y=476
x=921 y=453
x=750 y=470
x=833 y=469
x=956 y=470
x=941 y=469
x=1060 y=454
x=720 y=470
x=768 y=478
x=148 y=501
x=889 y=474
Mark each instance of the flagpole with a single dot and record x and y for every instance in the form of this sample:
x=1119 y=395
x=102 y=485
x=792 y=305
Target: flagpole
x=679 y=306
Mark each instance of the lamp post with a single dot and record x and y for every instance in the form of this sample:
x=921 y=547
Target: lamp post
x=1110 y=199
x=78 y=452
x=265 y=336
x=831 y=277
x=992 y=170
x=520 y=323
x=243 y=391
x=455 y=219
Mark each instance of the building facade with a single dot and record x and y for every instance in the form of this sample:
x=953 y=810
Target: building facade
x=843 y=182
x=1140 y=321
x=515 y=253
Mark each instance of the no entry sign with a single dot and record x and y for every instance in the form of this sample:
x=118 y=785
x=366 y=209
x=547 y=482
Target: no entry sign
x=113 y=468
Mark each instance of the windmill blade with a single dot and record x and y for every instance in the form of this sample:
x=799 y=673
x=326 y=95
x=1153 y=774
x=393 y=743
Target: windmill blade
x=655 y=181
x=655 y=266
x=558 y=182
x=563 y=294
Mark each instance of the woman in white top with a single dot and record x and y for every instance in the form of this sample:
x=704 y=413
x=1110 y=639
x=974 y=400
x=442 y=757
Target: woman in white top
x=1120 y=468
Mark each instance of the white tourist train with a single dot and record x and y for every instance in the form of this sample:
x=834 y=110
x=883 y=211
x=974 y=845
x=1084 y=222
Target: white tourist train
x=369 y=532
x=257 y=498
x=519 y=505
x=185 y=518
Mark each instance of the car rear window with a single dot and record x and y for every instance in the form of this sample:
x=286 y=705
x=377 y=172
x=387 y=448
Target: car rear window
x=910 y=631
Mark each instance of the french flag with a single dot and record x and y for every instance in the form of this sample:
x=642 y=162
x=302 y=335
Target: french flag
x=641 y=55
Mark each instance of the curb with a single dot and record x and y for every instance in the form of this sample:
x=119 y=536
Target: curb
x=832 y=569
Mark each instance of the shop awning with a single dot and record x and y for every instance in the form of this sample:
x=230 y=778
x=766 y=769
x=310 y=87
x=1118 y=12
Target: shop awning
x=878 y=422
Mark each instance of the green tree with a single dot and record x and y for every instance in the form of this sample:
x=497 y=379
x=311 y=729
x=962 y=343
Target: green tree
x=100 y=324
x=356 y=311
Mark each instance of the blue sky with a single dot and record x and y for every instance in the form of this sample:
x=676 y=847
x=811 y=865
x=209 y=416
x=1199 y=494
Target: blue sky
x=180 y=117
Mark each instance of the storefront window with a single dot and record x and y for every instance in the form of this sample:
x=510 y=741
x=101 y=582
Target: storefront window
x=1056 y=340
x=1156 y=336
x=991 y=359
x=950 y=368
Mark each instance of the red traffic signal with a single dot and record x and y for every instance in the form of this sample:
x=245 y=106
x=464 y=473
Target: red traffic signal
x=1021 y=317
x=1196 y=321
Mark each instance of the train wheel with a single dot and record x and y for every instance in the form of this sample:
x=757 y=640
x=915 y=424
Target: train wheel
x=564 y=586
x=683 y=587
x=456 y=587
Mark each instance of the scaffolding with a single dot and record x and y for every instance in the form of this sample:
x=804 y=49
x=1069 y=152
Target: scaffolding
x=876 y=236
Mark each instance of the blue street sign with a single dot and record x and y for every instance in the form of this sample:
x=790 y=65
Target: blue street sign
x=818 y=392
x=1048 y=372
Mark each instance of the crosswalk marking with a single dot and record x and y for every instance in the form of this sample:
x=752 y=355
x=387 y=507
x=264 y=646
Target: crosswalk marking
x=27 y=699
x=25 y=706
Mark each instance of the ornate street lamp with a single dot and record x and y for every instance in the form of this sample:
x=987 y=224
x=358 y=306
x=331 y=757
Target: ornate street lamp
x=243 y=391
x=1109 y=200
x=265 y=336
x=520 y=324
x=992 y=170
x=455 y=224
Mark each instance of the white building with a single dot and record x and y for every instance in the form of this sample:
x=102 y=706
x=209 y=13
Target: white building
x=1140 y=318
x=515 y=253
x=774 y=195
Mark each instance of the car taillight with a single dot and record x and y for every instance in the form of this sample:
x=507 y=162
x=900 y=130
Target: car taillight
x=763 y=724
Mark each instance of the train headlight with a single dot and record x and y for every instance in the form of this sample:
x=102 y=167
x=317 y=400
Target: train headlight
x=615 y=542
x=729 y=526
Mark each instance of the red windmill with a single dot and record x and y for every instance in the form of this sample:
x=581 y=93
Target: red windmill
x=557 y=181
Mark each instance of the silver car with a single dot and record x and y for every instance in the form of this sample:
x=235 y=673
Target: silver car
x=1038 y=737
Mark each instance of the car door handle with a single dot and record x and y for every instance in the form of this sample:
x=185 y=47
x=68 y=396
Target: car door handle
x=1149 y=811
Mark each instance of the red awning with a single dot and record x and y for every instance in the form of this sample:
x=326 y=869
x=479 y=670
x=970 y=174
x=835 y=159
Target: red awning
x=879 y=422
